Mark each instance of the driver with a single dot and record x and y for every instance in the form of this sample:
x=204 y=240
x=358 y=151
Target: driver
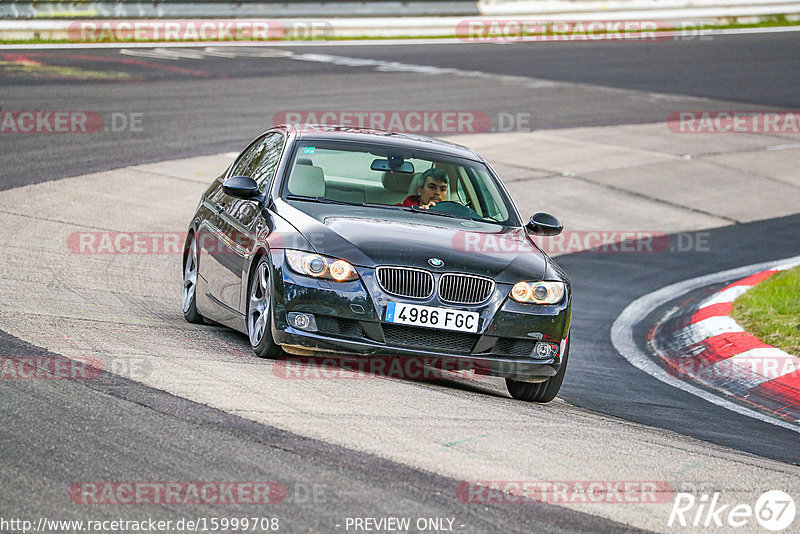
x=432 y=190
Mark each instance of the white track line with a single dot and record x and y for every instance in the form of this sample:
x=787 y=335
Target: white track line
x=623 y=340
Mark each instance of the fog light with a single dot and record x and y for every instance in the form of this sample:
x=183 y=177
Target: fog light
x=544 y=350
x=303 y=321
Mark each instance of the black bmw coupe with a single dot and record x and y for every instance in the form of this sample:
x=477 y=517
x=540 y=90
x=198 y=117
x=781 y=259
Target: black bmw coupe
x=320 y=240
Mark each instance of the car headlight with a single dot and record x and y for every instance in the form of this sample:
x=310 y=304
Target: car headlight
x=311 y=264
x=538 y=292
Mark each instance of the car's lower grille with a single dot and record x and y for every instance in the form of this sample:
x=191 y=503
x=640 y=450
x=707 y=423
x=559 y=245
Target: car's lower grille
x=464 y=288
x=513 y=347
x=336 y=326
x=427 y=339
x=413 y=283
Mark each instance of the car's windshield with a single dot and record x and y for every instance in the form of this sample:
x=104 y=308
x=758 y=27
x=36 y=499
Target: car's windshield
x=361 y=174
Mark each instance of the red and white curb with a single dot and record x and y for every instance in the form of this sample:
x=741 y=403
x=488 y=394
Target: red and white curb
x=708 y=325
x=716 y=351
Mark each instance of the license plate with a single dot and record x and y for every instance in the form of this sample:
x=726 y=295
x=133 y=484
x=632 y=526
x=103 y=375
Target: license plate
x=443 y=318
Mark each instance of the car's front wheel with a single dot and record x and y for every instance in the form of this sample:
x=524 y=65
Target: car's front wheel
x=190 y=312
x=259 y=306
x=539 y=391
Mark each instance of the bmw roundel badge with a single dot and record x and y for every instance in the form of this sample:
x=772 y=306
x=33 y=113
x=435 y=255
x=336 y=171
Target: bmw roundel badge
x=435 y=262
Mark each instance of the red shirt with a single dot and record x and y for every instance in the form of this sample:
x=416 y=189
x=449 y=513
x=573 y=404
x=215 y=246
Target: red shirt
x=411 y=200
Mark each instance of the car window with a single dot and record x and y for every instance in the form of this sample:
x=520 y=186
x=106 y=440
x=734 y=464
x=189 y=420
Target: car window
x=240 y=166
x=265 y=160
x=260 y=160
x=360 y=174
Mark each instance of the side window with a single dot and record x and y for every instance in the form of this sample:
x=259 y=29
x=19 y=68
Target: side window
x=244 y=161
x=262 y=166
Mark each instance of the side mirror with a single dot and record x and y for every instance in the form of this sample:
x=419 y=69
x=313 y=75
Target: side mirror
x=241 y=187
x=544 y=224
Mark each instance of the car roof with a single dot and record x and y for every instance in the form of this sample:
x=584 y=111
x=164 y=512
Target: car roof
x=308 y=132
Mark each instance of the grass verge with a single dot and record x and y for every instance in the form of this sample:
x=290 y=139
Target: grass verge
x=771 y=310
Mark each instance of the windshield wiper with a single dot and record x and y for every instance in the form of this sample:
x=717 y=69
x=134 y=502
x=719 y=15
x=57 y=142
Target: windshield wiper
x=417 y=209
x=320 y=200
x=389 y=206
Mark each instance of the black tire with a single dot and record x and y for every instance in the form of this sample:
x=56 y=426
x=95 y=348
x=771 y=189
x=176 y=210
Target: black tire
x=190 y=270
x=259 y=311
x=540 y=391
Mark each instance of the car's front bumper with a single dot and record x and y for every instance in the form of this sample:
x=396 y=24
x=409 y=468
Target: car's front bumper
x=349 y=318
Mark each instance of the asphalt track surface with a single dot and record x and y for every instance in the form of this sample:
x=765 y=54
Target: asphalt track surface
x=56 y=433
x=215 y=104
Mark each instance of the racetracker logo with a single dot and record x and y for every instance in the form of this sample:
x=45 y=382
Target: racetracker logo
x=564 y=243
x=593 y=241
x=217 y=243
x=177 y=492
x=93 y=31
x=750 y=365
x=353 y=368
x=413 y=121
x=49 y=121
x=126 y=242
x=513 y=30
x=781 y=122
x=49 y=368
x=558 y=492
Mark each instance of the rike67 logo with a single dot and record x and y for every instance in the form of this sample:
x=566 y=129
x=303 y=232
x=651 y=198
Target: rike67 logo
x=774 y=510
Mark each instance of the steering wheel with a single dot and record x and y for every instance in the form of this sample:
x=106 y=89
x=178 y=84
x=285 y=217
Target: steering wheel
x=454 y=208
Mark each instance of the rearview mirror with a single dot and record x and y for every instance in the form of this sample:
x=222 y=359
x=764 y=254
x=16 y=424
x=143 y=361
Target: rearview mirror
x=386 y=165
x=544 y=224
x=241 y=187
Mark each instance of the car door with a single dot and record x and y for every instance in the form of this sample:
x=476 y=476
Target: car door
x=240 y=219
x=218 y=249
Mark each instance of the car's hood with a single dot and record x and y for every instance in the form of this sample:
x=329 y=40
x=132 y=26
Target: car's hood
x=373 y=236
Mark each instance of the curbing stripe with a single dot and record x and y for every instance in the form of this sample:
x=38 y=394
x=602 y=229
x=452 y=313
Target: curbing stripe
x=780 y=395
x=726 y=345
x=769 y=362
x=775 y=394
x=729 y=294
x=714 y=349
x=702 y=330
x=754 y=279
x=721 y=309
